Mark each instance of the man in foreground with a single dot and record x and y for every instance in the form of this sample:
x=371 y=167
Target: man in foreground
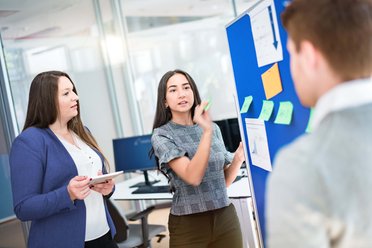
x=319 y=194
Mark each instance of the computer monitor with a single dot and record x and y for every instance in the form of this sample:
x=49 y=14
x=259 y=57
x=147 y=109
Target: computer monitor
x=230 y=133
x=132 y=154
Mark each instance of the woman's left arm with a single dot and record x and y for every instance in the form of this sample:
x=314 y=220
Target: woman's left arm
x=106 y=188
x=232 y=170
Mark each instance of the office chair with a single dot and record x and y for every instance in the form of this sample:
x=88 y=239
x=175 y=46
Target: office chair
x=134 y=235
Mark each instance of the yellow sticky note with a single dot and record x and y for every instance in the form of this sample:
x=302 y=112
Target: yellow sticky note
x=266 y=110
x=247 y=102
x=272 y=82
x=284 y=115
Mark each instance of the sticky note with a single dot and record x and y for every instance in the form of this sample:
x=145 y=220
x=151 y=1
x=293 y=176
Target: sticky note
x=247 y=102
x=266 y=110
x=272 y=82
x=284 y=115
x=208 y=104
x=309 y=127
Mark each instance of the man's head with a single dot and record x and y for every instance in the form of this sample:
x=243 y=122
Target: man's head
x=329 y=40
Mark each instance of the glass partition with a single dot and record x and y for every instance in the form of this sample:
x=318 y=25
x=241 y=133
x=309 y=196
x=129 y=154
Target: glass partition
x=116 y=52
x=190 y=37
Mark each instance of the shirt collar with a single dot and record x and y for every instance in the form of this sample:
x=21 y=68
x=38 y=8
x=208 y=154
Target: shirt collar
x=346 y=95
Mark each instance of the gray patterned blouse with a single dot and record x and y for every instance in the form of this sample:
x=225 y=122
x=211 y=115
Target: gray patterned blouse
x=172 y=141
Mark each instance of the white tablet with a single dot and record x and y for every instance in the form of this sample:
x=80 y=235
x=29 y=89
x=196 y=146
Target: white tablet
x=104 y=177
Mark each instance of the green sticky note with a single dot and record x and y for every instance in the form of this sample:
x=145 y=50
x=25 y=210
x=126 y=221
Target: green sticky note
x=309 y=127
x=284 y=115
x=247 y=102
x=266 y=110
x=208 y=104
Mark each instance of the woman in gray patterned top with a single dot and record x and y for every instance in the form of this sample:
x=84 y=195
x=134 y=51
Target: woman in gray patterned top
x=190 y=151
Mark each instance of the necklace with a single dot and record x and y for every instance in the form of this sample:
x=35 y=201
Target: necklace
x=67 y=136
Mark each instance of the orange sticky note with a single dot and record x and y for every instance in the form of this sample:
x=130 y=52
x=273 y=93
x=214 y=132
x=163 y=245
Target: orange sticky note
x=272 y=82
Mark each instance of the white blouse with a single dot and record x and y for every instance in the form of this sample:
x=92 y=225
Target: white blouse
x=88 y=163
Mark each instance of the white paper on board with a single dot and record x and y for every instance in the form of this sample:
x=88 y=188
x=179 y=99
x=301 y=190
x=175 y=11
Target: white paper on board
x=257 y=142
x=265 y=33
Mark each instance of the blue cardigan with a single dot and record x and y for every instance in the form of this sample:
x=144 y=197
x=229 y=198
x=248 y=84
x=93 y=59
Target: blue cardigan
x=41 y=169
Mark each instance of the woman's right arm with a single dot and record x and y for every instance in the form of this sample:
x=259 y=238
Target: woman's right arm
x=192 y=171
x=27 y=160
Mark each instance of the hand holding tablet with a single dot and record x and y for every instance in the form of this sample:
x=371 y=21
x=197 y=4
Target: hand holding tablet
x=104 y=177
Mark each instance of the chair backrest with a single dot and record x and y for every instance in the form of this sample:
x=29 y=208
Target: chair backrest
x=119 y=219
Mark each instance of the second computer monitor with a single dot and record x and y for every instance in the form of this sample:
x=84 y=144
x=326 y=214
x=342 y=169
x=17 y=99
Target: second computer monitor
x=132 y=154
x=230 y=133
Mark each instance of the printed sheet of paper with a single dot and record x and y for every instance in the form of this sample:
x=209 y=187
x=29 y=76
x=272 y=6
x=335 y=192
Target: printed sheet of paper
x=272 y=82
x=257 y=142
x=247 y=103
x=265 y=33
x=285 y=112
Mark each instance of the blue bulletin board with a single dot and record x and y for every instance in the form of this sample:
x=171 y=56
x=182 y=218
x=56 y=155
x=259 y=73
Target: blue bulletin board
x=257 y=43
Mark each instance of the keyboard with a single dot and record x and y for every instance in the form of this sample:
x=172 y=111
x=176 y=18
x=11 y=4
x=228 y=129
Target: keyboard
x=152 y=189
x=239 y=177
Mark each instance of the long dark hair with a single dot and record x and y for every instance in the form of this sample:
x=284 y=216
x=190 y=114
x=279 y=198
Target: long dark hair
x=42 y=109
x=163 y=114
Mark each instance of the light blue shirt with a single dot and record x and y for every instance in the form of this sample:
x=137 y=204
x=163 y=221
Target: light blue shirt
x=319 y=193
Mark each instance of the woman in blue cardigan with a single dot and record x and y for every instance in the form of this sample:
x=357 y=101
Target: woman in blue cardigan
x=52 y=162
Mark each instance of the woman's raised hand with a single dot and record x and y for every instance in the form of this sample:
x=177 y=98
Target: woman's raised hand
x=239 y=154
x=201 y=116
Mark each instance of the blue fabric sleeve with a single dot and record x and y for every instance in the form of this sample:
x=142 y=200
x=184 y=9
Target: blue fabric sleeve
x=27 y=161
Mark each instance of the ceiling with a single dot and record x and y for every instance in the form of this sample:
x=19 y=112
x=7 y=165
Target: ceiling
x=34 y=19
x=29 y=19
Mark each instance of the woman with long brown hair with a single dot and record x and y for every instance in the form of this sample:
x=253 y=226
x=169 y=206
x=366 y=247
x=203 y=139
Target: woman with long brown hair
x=52 y=162
x=190 y=151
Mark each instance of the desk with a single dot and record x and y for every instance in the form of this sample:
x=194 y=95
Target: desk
x=239 y=189
x=239 y=193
